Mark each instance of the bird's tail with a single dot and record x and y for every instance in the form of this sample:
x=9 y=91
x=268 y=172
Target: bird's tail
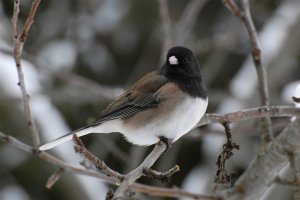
x=80 y=132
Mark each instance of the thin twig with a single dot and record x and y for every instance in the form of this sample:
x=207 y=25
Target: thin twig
x=19 y=41
x=168 y=192
x=100 y=164
x=260 y=69
x=232 y=7
x=244 y=14
x=159 y=148
x=221 y=175
x=15 y=18
x=13 y=141
x=30 y=19
x=54 y=178
x=161 y=176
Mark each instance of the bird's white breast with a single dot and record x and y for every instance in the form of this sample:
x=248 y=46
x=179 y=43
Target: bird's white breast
x=173 y=125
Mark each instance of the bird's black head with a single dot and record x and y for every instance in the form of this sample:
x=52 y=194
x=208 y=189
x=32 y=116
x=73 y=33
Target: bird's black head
x=182 y=68
x=183 y=60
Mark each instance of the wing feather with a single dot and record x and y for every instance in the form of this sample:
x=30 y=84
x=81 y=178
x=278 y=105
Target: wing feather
x=142 y=95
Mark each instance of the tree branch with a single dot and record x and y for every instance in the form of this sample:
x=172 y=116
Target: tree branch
x=245 y=16
x=19 y=41
x=161 y=176
x=263 y=169
x=130 y=178
x=150 y=190
x=29 y=21
x=221 y=175
x=232 y=7
x=260 y=70
x=251 y=113
x=54 y=178
x=100 y=164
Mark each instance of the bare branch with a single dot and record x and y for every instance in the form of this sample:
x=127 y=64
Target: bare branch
x=260 y=69
x=245 y=15
x=29 y=21
x=150 y=190
x=100 y=164
x=19 y=41
x=262 y=170
x=221 y=175
x=15 y=18
x=252 y=113
x=161 y=176
x=159 y=148
x=166 y=192
x=232 y=7
x=54 y=178
x=13 y=141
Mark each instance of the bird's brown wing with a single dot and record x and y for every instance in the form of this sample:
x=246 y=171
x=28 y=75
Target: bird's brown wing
x=139 y=97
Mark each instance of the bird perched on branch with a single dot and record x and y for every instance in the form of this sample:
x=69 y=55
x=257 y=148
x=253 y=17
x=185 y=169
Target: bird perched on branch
x=162 y=105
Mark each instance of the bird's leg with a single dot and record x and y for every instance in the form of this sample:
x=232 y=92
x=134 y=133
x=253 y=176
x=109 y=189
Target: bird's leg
x=167 y=141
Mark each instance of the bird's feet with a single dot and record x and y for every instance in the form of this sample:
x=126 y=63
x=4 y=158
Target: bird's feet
x=167 y=141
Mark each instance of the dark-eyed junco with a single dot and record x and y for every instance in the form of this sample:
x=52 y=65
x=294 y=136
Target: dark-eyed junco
x=166 y=103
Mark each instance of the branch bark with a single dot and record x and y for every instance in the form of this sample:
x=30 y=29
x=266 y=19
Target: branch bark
x=130 y=178
x=245 y=16
x=54 y=178
x=263 y=169
x=252 y=113
x=161 y=176
x=266 y=122
x=19 y=41
x=100 y=164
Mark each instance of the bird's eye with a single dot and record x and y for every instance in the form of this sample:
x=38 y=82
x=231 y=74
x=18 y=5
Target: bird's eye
x=173 y=60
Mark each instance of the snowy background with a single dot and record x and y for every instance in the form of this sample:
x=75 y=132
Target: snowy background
x=82 y=54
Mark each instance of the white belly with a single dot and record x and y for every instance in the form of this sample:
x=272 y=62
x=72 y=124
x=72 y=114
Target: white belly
x=179 y=122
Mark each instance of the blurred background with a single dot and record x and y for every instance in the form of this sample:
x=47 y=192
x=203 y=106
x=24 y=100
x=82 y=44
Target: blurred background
x=82 y=54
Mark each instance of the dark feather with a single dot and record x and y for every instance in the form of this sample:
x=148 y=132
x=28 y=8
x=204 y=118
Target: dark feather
x=142 y=95
x=186 y=74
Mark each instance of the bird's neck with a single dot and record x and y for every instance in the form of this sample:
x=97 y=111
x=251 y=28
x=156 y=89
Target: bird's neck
x=191 y=84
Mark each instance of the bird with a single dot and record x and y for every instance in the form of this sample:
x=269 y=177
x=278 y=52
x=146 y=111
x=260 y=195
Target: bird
x=163 y=105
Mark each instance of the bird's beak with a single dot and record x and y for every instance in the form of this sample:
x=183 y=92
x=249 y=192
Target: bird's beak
x=173 y=60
